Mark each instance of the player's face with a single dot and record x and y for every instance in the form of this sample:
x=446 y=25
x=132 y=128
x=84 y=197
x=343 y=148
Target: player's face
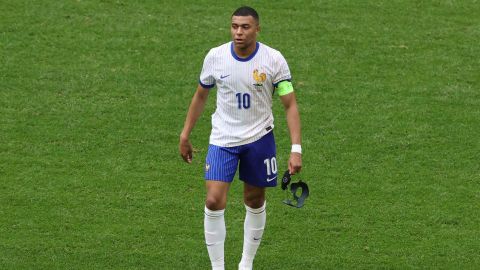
x=244 y=31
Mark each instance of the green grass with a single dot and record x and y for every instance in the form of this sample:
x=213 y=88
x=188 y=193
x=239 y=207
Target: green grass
x=93 y=96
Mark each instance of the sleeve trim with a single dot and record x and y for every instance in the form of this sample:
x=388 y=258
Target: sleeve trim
x=276 y=84
x=206 y=86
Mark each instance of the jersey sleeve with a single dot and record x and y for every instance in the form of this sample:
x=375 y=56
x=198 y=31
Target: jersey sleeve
x=282 y=71
x=207 y=80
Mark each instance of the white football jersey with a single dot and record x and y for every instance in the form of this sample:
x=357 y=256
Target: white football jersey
x=245 y=89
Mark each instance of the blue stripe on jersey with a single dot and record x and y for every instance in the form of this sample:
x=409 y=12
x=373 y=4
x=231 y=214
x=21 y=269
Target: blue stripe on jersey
x=244 y=59
x=206 y=86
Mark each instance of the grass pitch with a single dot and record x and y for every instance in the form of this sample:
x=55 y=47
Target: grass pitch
x=93 y=96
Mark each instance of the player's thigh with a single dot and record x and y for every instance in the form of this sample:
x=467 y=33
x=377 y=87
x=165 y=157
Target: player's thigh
x=253 y=196
x=217 y=191
x=258 y=162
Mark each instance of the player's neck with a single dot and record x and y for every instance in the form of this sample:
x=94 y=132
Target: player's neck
x=245 y=52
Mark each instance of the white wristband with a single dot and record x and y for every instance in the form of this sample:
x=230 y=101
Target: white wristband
x=296 y=148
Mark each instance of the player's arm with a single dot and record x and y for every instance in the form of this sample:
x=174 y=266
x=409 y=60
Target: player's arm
x=194 y=111
x=289 y=101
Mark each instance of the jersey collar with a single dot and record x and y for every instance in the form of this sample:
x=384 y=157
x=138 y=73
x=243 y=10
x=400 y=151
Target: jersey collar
x=244 y=59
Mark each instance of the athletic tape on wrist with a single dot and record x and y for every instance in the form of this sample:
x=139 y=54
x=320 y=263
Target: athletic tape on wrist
x=296 y=148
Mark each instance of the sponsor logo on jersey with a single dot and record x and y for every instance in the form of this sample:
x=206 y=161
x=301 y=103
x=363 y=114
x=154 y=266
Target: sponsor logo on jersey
x=259 y=78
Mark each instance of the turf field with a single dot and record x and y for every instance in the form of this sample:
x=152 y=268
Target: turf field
x=93 y=95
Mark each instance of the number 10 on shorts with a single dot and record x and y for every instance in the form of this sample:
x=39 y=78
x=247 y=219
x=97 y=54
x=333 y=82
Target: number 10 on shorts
x=271 y=165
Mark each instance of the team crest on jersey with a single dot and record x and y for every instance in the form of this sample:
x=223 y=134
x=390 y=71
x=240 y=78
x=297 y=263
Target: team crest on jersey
x=207 y=167
x=259 y=78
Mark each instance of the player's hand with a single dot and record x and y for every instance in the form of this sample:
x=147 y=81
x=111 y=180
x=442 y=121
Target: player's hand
x=295 y=163
x=186 y=150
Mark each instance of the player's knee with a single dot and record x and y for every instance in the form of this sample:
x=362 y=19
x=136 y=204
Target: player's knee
x=214 y=203
x=254 y=201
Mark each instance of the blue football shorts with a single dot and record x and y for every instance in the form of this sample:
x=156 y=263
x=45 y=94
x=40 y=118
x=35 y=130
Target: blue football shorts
x=258 y=162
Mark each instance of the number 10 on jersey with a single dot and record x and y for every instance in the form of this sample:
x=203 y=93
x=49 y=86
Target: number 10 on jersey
x=243 y=100
x=271 y=165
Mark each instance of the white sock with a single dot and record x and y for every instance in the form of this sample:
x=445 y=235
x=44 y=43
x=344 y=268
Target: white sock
x=215 y=232
x=252 y=234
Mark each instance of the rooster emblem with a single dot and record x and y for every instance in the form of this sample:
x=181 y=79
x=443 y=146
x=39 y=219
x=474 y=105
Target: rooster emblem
x=259 y=77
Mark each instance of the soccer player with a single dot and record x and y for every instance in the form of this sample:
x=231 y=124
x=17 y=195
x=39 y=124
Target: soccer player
x=246 y=73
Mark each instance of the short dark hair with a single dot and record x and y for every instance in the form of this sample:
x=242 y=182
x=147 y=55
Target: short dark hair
x=246 y=11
